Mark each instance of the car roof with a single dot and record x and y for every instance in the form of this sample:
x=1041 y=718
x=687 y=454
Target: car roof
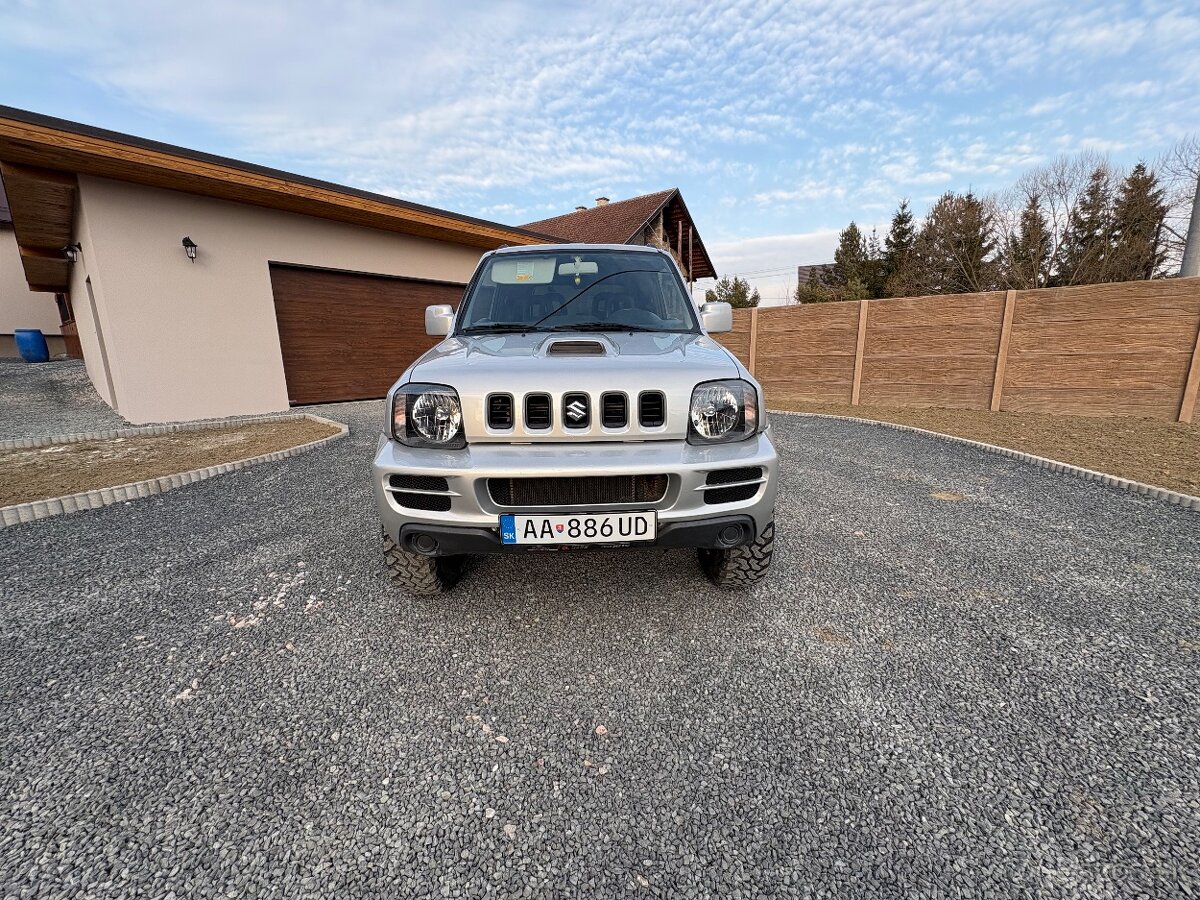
x=571 y=248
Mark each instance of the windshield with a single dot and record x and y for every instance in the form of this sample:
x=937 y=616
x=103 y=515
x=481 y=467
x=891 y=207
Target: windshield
x=602 y=290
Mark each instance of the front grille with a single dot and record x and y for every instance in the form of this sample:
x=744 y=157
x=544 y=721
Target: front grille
x=652 y=409
x=732 y=476
x=427 y=502
x=418 y=483
x=614 y=412
x=537 y=410
x=500 y=411
x=589 y=490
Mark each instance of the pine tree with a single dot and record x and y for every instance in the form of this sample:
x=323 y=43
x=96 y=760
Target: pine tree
x=954 y=252
x=1138 y=249
x=736 y=292
x=850 y=257
x=1026 y=260
x=898 y=253
x=1086 y=251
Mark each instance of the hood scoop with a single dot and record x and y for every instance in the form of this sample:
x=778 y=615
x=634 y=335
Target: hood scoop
x=576 y=348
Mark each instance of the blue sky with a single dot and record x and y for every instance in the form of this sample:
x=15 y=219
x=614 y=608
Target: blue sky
x=780 y=121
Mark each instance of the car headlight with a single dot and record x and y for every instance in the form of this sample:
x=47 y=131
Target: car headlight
x=428 y=415
x=722 y=411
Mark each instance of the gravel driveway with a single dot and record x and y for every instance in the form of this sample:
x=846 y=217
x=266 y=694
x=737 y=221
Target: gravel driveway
x=990 y=692
x=47 y=398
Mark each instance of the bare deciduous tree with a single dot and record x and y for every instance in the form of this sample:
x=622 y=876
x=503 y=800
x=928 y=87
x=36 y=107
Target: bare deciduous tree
x=1057 y=189
x=1179 y=169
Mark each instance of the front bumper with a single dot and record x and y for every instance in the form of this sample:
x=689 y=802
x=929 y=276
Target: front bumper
x=472 y=521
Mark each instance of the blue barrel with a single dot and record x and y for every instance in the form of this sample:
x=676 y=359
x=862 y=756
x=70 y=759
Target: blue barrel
x=31 y=344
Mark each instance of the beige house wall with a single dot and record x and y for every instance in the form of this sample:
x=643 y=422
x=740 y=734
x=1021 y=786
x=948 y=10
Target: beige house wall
x=87 y=293
x=191 y=340
x=19 y=306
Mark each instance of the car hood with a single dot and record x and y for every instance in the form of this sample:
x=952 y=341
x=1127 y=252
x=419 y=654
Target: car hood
x=560 y=363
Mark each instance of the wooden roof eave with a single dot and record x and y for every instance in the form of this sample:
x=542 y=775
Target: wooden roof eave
x=85 y=152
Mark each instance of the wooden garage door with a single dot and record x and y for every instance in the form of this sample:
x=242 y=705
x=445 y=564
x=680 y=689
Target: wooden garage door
x=346 y=336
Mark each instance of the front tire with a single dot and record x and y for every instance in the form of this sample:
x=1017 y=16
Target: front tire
x=419 y=574
x=740 y=567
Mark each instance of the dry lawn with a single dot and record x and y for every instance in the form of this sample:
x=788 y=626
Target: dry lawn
x=55 y=471
x=1165 y=454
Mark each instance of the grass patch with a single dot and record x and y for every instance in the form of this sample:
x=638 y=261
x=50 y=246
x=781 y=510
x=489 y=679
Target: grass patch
x=1165 y=454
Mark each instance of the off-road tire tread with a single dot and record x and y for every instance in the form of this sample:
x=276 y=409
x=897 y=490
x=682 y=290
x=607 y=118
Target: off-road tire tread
x=741 y=567
x=417 y=574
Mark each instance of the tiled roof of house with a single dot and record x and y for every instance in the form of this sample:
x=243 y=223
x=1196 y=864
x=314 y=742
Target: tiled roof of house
x=612 y=223
x=621 y=222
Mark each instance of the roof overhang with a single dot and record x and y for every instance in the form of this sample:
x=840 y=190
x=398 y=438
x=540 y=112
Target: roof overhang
x=42 y=204
x=40 y=158
x=677 y=211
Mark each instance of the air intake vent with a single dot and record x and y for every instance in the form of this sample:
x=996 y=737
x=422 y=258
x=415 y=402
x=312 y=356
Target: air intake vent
x=733 y=476
x=575 y=348
x=425 y=502
x=731 y=494
x=418 y=483
x=593 y=490
x=414 y=492
x=735 y=492
x=614 y=411
x=652 y=409
x=500 y=411
x=537 y=411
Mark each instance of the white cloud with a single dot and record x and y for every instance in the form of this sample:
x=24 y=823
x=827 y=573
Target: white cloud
x=775 y=117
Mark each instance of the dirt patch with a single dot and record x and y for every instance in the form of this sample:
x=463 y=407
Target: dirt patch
x=37 y=473
x=830 y=636
x=949 y=496
x=1165 y=454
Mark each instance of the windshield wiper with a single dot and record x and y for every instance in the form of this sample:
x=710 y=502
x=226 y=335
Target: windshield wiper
x=600 y=326
x=495 y=327
x=580 y=293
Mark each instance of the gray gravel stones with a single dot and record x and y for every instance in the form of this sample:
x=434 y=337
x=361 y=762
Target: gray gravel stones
x=50 y=398
x=215 y=693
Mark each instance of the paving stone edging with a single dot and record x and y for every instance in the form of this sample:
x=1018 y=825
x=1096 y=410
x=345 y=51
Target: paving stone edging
x=1187 y=501
x=56 y=506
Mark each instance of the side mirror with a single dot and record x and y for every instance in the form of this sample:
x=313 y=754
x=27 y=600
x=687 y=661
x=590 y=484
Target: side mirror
x=439 y=319
x=716 y=317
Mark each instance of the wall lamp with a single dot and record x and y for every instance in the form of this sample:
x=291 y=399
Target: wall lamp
x=71 y=251
x=189 y=247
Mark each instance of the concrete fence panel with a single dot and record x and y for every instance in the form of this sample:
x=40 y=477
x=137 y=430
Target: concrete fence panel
x=1106 y=349
x=806 y=353
x=932 y=351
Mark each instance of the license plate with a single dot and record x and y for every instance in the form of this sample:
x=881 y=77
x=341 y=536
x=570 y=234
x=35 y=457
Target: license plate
x=581 y=528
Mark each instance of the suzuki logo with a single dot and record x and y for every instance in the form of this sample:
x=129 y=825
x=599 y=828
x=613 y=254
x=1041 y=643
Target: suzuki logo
x=576 y=411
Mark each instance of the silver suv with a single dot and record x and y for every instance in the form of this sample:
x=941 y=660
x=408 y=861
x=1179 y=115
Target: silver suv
x=576 y=400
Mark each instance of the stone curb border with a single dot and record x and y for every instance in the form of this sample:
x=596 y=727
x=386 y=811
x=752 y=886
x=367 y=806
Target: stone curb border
x=1187 y=501
x=56 y=506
